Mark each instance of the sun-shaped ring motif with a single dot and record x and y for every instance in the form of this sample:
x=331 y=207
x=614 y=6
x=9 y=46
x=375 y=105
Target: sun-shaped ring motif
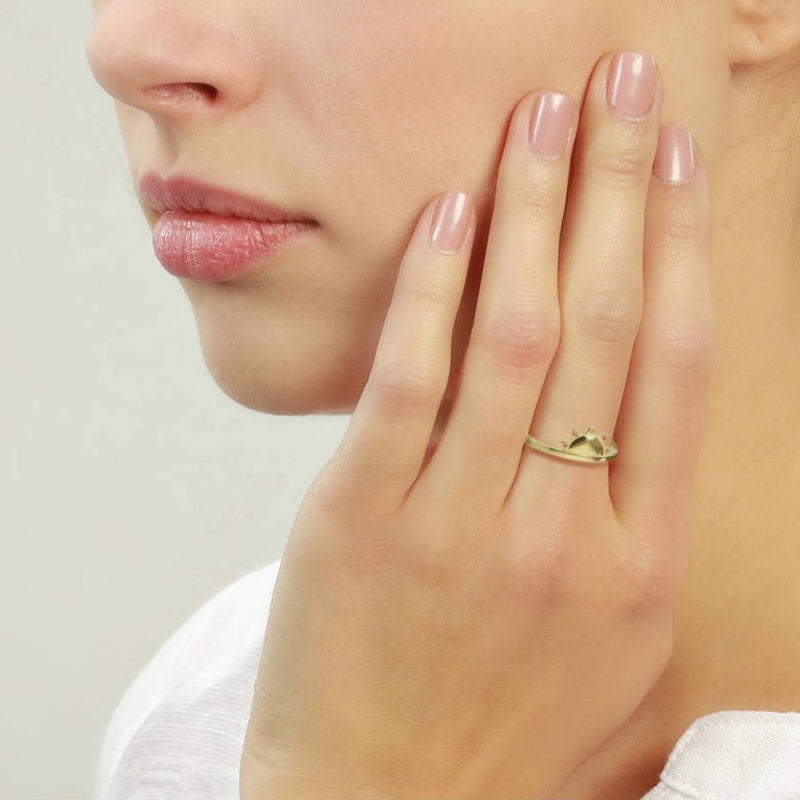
x=588 y=440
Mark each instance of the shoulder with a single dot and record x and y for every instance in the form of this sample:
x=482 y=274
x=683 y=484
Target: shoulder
x=207 y=666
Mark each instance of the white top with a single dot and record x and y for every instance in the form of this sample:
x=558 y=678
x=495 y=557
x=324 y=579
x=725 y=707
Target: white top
x=178 y=732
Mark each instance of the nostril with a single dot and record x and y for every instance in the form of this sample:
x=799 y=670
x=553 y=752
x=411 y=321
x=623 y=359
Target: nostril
x=184 y=92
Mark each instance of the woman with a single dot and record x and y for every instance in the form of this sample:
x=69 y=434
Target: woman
x=527 y=190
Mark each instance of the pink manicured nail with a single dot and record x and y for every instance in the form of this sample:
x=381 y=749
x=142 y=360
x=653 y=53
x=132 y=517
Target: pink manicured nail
x=674 y=161
x=631 y=83
x=451 y=220
x=551 y=118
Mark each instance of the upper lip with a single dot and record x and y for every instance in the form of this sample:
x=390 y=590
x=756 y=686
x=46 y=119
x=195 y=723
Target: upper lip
x=180 y=193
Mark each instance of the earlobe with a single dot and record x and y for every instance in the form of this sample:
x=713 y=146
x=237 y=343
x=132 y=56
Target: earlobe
x=764 y=31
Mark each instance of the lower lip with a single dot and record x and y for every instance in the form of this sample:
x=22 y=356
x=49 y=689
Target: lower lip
x=211 y=247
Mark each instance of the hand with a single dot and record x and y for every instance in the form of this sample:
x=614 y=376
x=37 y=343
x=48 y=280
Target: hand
x=473 y=620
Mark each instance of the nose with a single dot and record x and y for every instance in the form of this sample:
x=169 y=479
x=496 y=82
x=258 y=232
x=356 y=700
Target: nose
x=171 y=59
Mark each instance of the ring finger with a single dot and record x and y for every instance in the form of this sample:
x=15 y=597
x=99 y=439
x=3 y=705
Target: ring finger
x=600 y=267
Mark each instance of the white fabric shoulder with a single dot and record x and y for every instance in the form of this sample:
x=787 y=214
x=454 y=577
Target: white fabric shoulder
x=734 y=755
x=204 y=673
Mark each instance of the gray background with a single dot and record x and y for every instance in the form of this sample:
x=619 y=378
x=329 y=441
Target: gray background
x=133 y=488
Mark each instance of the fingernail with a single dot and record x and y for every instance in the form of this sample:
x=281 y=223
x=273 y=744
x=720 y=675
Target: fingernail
x=451 y=221
x=551 y=119
x=674 y=161
x=631 y=83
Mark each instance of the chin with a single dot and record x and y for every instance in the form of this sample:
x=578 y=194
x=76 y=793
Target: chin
x=270 y=349
x=274 y=380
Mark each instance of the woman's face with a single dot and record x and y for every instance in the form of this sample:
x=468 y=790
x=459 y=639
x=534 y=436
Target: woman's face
x=357 y=113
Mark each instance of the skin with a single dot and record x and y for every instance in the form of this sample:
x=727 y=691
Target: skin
x=417 y=102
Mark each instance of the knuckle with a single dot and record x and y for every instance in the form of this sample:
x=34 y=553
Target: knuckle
x=537 y=564
x=328 y=502
x=543 y=585
x=434 y=290
x=620 y=167
x=685 y=348
x=541 y=192
x=430 y=560
x=679 y=220
x=608 y=316
x=326 y=492
x=648 y=585
x=406 y=385
x=649 y=572
x=522 y=340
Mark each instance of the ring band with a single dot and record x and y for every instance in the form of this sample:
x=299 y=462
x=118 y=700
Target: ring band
x=585 y=446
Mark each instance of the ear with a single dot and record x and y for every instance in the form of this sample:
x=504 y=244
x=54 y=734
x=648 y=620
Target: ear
x=763 y=30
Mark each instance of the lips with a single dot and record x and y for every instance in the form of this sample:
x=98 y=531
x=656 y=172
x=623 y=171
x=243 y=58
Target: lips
x=211 y=233
x=180 y=193
x=210 y=247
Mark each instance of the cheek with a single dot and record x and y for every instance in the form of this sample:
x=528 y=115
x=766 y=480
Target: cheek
x=422 y=106
x=423 y=97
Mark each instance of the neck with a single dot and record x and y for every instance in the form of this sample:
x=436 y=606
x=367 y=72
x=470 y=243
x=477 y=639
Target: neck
x=733 y=645
x=739 y=608
x=738 y=604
